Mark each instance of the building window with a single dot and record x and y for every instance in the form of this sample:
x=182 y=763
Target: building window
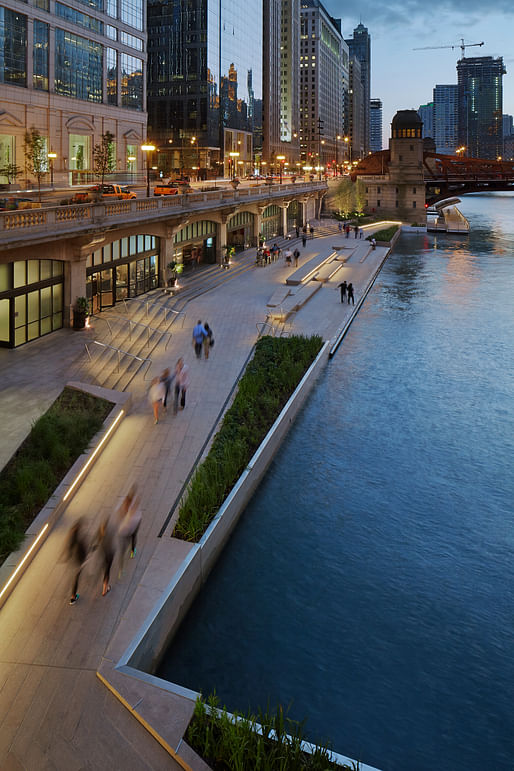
x=111 y=8
x=132 y=13
x=414 y=190
x=13 y=48
x=78 y=18
x=396 y=204
x=378 y=189
x=378 y=203
x=112 y=76
x=411 y=147
x=78 y=67
x=40 y=56
x=400 y=158
x=131 y=82
x=111 y=32
x=131 y=40
x=414 y=204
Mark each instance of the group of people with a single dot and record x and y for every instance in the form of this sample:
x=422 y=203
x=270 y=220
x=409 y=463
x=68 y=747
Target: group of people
x=348 y=229
x=346 y=292
x=161 y=386
x=116 y=534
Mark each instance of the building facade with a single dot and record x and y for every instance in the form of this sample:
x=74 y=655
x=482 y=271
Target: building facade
x=480 y=106
x=375 y=125
x=426 y=113
x=205 y=86
x=446 y=118
x=356 y=126
x=360 y=48
x=73 y=72
x=321 y=85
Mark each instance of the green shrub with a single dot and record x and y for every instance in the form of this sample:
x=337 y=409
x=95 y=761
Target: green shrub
x=384 y=235
x=53 y=445
x=267 y=741
x=270 y=379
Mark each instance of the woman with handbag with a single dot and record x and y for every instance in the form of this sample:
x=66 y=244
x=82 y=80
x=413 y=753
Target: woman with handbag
x=208 y=340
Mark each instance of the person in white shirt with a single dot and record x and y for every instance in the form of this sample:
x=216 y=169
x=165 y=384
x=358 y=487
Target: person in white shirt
x=156 y=396
x=181 y=384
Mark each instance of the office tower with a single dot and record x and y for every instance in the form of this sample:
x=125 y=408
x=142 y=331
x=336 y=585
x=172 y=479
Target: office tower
x=360 y=47
x=73 y=74
x=480 y=105
x=355 y=111
x=205 y=85
x=281 y=78
x=445 y=118
x=375 y=125
x=426 y=113
x=321 y=84
x=507 y=125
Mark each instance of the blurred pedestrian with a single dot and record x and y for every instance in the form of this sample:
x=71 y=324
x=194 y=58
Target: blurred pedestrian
x=208 y=340
x=181 y=384
x=350 y=294
x=167 y=380
x=77 y=550
x=343 y=287
x=340 y=227
x=106 y=542
x=373 y=243
x=360 y=232
x=296 y=255
x=304 y=240
x=356 y=230
x=199 y=334
x=129 y=517
x=288 y=255
x=297 y=230
x=311 y=231
x=156 y=396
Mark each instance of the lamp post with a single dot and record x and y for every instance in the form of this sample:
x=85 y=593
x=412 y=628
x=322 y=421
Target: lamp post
x=131 y=159
x=280 y=159
x=233 y=157
x=147 y=149
x=348 y=148
x=338 y=139
x=51 y=157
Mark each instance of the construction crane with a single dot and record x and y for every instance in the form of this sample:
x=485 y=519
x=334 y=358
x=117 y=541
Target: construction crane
x=462 y=44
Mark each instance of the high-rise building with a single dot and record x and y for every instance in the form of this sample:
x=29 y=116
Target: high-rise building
x=321 y=84
x=507 y=125
x=360 y=47
x=375 y=125
x=426 y=113
x=446 y=118
x=355 y=110
x=205 y=85
x=480 y=105
x=281 y=101
x=73 y=73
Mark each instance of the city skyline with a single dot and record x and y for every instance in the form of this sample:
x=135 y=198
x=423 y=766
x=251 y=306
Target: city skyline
x=396 y=30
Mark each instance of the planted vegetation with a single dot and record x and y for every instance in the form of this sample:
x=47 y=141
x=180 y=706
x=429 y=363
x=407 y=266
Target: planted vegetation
x=269 y=380
x=265 y=741
x=384 y=235
x=54 y=444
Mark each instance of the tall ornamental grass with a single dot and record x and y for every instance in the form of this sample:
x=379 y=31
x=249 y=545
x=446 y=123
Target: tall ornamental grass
x=52 y=447
x=263 y=742
x=384 y=235
x=270 y=378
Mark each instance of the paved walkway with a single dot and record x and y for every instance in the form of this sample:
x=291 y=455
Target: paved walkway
x=54 y=712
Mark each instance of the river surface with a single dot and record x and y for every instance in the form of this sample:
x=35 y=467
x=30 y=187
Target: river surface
x=369 y=585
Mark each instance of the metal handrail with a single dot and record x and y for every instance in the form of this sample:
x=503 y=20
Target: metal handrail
x=120 y=352
x=263 y=325
x=150 y=304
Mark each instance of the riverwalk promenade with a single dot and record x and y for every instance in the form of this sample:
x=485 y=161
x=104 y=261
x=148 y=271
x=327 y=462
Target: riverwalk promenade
x=55 y=712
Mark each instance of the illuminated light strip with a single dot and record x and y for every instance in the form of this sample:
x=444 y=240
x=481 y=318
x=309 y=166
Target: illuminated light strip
x=25 y=558
x=91 y=459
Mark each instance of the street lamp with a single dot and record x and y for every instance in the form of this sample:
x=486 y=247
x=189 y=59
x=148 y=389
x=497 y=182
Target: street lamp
x=233 y=157
x=280 y=159
x=338 y=139
x=52 y=156
x=461 y=150
x=147 y=149
x=348 y=148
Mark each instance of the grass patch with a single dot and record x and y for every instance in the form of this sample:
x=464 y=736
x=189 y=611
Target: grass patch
x=269 y=380
x=384 y=235
x=239 y=745
x=52 y=447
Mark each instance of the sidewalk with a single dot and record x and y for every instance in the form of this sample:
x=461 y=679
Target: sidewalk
x=54 y=712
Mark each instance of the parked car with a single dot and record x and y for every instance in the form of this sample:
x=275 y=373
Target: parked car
x=12 y=203
x=165 y=188
x=117 y=192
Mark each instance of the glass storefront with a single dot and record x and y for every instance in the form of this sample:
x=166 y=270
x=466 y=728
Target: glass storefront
x=271 y=222
x=240 y=230
x=123 y=269
x=31 y=300
x=7 y=155
x=196 y=243
x=79 y=152
x=294 y=215
x=78 y=66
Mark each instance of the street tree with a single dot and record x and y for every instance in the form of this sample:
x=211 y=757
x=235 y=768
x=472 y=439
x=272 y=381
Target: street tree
x=36 y=159
x=11 y=171
x=103 y=156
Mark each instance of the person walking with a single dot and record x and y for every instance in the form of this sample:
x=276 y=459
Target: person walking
x=199 y=334
x=311 y=231
x=340 y=227
x=208 y=340
x=181 y=384
x=347 y=230
x=356 y=230
x=373 y=243
x=106 y=542
x=156 y=396
x=297 y=230
x=343 y=287
x=167 y=380
x=296 y=255
x=360 y=232
x=349 y=289
x=288 y=255
x=129 y=522
x=304 y=240
x=77 y=551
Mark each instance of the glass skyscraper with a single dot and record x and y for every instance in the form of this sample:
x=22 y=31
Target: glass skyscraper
x=205 y=84
x=480 y=105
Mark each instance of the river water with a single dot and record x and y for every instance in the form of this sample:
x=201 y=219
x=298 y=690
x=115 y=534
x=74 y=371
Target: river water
x=369 y=585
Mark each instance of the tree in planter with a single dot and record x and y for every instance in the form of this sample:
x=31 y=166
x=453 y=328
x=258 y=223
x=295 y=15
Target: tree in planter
x=36 y=158
x=11 y=171
x=80 y=312
x=345 y=197
x=360 y=196
x=103 y=156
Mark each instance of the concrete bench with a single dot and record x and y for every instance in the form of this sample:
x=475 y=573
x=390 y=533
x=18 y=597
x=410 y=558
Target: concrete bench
x=328 y=270
x=278 y=297
x=295 y=301
x=309 y=269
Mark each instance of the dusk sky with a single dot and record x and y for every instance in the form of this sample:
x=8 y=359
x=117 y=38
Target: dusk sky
x=403 y=78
